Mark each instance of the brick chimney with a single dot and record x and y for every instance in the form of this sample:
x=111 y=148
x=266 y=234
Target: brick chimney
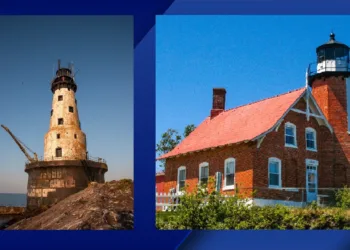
x=219 y=95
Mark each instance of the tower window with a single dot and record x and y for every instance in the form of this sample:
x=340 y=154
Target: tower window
x=60 y=121
x=58 y=152
x=75 y=136
x=60 y=97
x=71 y=109
x=51 y=112
x=58 y=136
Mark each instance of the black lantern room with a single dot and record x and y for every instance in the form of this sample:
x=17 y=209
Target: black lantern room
x=332 y=50
x=332 y=60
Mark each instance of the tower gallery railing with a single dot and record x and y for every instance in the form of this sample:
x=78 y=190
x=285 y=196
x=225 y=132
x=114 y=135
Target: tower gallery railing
x=89 y=158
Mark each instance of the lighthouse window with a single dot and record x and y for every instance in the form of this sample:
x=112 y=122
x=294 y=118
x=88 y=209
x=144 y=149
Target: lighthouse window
x=71 y=109
x=329 y=53
x=58 y=136
x=321 y=56
x=60 y=121
x=51 y=112
x=58 y=152
x=75 y=136
x=60 y=97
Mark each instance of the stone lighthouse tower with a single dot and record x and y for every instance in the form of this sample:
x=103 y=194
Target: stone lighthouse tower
x=65 y=140
x=330 y=82
x=66 y=167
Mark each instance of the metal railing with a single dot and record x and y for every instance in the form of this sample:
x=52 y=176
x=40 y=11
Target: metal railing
x=90 y=158
x=327 y=66
x=262 y=196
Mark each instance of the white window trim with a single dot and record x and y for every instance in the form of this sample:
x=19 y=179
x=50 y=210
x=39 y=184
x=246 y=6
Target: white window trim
x=203 y=164
x=274 y=159
x=230 y=187
x=291 y=125
x=178 y=178
x=311 y=162
x=309 y=129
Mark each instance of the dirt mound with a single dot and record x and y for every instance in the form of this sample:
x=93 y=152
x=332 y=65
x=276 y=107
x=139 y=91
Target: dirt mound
x=105 y=206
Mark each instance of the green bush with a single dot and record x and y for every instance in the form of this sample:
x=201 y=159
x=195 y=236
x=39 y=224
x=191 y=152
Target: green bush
x=342 y=198
x=210 y=210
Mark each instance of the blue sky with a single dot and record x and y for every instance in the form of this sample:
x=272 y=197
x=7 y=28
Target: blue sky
x=253 y=57
x=101 y=48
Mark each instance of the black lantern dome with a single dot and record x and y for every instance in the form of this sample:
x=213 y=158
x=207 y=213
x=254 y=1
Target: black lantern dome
x=64 y=79
x=332 y=60
x=332 y=50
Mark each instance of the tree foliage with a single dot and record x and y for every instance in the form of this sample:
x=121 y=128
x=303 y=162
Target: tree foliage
x=170 y=139
x=189 y=129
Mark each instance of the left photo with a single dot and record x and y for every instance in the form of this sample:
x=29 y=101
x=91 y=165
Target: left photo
x=66 y=115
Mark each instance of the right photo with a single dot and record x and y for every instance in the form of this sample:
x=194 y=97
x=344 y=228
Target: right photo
x=252 y=124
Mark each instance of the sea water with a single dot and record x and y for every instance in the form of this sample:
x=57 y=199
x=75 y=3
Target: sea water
x=13 y=200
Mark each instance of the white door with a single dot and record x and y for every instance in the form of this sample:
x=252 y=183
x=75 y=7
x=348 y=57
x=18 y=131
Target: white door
x=311 y=182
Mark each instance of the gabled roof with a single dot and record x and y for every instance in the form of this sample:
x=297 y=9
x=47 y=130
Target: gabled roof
x=243 y=123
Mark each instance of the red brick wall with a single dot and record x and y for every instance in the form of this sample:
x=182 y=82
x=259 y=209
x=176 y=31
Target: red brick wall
x=330 y=94
x=293 y=166
x=216 y=158
x=160 y=183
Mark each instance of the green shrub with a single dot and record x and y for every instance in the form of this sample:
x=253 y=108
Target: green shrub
x=342 y=198
x=203 y=209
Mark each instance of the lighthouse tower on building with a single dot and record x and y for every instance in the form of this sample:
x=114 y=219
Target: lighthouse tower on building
x=329 y=78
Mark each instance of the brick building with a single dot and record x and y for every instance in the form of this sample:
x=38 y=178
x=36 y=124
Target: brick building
x=289 y=148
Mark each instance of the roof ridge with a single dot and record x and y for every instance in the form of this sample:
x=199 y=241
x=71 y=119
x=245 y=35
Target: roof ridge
x=291 y=91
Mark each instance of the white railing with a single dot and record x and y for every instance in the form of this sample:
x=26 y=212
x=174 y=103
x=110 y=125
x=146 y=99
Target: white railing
x=167 y=201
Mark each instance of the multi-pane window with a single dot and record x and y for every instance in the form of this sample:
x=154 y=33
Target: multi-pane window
x=58 y=152
x=229 y=180
x=274 y=172
x=290 y=135
x=310 y=135
x=203 y=173
x=181 y=178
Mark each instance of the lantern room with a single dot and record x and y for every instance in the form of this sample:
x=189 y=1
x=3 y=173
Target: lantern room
x=332 y=56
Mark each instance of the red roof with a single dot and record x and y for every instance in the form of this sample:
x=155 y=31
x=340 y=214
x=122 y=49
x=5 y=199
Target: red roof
x=238 y=124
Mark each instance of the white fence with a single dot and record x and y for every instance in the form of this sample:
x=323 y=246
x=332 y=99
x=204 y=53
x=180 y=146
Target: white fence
x=167 y=201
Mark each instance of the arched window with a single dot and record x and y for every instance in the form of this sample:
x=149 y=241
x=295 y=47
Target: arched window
x=275 y=174
x=181 y=178
x=290 y=132
x=203 y=173
x=229 y=173
x=311 y=142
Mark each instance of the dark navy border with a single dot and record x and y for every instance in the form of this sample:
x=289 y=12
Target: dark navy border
x=145 y=236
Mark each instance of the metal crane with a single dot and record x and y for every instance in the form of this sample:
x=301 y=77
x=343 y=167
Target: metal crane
x=22 y=146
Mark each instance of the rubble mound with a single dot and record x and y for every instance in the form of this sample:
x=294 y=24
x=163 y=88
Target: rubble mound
x=104 y=206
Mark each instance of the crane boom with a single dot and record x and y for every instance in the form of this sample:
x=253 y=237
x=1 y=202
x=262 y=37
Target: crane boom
x=20 y=145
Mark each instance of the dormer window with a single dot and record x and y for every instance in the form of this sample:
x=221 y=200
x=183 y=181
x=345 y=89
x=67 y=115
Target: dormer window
x=310 y=136
x=290 y=135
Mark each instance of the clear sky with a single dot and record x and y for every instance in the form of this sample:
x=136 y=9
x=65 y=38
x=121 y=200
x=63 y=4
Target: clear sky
x=101 y=48
x=253 y=57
